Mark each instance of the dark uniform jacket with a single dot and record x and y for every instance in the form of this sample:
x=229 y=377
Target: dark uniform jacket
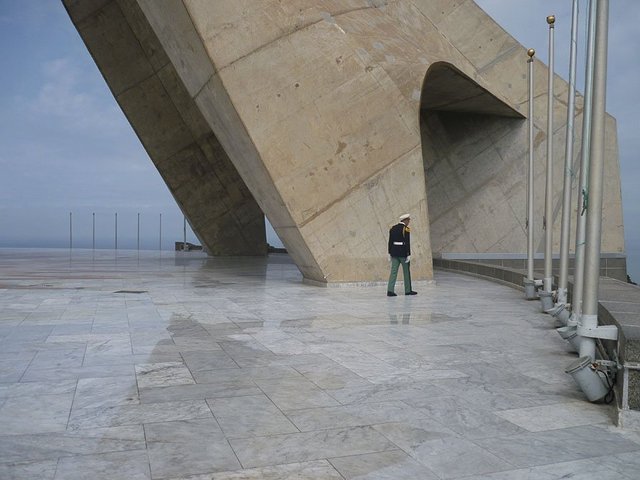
x=399 y=241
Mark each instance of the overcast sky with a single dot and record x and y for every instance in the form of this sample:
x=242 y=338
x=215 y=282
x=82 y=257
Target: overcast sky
x=526 y=21
x=66 y=146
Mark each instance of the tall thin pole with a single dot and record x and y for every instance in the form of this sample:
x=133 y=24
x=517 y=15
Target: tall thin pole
x=70 y=231
x=578 y=276
x=160 y=245
x=184 y=228
x=563 y=280
x=548 y=207
x=138 y=231
x=93 y=230
x=116 y=235
x=531 y=53
x=589 y=318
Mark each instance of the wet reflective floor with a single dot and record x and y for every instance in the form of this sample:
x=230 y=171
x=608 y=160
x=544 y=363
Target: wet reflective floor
x=135 y=365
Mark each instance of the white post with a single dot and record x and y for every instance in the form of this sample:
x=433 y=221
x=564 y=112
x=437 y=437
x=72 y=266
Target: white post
x=548 y=202
x=589 y=318
x=563 y=280
x=578 y=276
x=530 y=254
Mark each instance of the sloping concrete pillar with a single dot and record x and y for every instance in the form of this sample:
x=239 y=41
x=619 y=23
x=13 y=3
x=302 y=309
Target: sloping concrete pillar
x=187 y=154
x=320 y=108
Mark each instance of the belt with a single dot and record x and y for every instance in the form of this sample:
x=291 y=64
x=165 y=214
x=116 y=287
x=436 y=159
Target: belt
x=398 y=243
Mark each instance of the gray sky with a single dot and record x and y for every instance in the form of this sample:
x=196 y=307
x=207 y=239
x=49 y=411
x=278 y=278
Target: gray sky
x=526 y=21
x=66 y=146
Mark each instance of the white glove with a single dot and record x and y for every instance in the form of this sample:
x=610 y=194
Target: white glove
x=408 y=259
x=389 y=258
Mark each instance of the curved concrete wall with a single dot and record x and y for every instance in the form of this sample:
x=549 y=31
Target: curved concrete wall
x=322 y=107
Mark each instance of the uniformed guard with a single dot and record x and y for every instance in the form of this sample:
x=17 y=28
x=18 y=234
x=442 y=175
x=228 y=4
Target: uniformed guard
x=400 y=254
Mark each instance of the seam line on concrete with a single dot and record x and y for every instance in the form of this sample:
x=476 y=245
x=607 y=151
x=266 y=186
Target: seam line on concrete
x=501 y=96
x=289 y=33
x=499 y=58
x=356 y=187
x=315 y=266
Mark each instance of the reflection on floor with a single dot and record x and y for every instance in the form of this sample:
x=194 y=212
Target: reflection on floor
x=137 y=366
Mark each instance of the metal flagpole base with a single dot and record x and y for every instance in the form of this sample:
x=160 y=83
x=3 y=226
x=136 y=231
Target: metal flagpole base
x=530 y=289
x=560 y=313
x=587 y=378
x=570 y=334
x=546 y=300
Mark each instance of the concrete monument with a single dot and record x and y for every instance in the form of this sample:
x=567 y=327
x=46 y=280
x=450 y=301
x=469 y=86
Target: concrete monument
x=332 y=118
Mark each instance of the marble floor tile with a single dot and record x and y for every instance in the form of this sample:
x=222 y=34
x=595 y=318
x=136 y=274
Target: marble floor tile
x=187 y=327
x=580 y=440
x=92 y=360
x=246 y=373
x=315 y=470
x=281 y=343
x=80 y=326
x=406 y=435
x=30 y=332
x=557 y=416
x=35 y=414
x=191 y=344
x=249 y=416
x=295 y=393
x=389 y=465
x=188 y=447
x=353 y=415
x=37 y=388
x=132 y=465
x=453 y=379
x=44 y=446
x=199 y=391
x=300 y=447
x=163 y=374
x=387 y=391
x=626 y=465
x=487 y=395
x=62 y=374
x=331 y=375
x=459 y=415
x=208 y=360
x=556 y=446
x=44 y=470
x=12 y=374
x=96 y=343
x=575 y=470
x=451 y=457
x=274 y=360
x=106 y=392
x=62 y=358
x=13 y=365
x=138 y=414
x=435 y=374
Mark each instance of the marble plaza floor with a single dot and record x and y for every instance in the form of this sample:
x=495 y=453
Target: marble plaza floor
x=141 y=366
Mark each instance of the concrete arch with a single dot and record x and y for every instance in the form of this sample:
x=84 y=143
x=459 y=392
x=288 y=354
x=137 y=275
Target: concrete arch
x=317 y=108
x=473 y=181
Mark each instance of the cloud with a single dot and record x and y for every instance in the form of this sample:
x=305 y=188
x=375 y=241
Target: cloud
x=67 y=94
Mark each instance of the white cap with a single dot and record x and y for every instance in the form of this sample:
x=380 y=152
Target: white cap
x=405 y=216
